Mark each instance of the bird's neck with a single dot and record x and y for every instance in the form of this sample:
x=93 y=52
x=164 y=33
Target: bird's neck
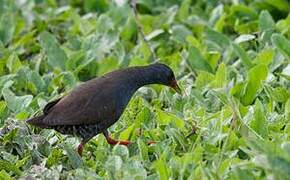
x=145 y=76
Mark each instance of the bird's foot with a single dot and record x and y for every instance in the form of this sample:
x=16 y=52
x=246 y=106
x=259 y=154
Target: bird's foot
x=115 y=142
x=151 y=142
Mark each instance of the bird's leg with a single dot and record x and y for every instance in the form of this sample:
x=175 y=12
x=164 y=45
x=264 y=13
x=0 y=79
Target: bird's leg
x=81 y=147
x=151 y=142
x=114 y=142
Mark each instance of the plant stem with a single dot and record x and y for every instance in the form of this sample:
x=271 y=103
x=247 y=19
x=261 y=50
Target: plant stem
x=141 y=31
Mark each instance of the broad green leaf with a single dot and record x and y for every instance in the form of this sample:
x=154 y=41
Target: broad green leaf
x=129 y=29
x=107 y=65
x=220 y=39
x=54 y=157
x=283 y=25
x=281 y=166
x=242 y=54
x=266 y=21
x=180 y=33
x=13 y=63
x=73 y=157
x=177 y=137
x=121 y=151
x=125 y=135
x=259 y=123
x=184 y=10
x=279 y=94
x=213 y=58
x=216 y=14
x=254 y=83
x=15 y=103
x=282 y=44
x=244 y=38
x=265 y=57
x=7 y=27
x=282 y=5
x=114 y=163
x=244 y=11
x=287 y=110
x=56 y=56
x=10 y=167
x=143 y=150
x=4 y=175
x=203 y=79
x=164 y=118
x=220 y=78
x=160 y=166
x=196 y=61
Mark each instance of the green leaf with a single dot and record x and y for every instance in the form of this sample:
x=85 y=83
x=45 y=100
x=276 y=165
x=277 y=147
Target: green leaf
x=3 y=106
x=218 y=38
x=242 y=54
x=164 y=118
x=180 y=33
x=56 y=56
x=254 y=83
x=279 y=94
x=7 y=27
x=266 y=21
x=4 y=175
x=244 y=38
x=15 y=103
x=282 y=5
x=125 y=135
x=121 y=151
x=280 y=165
x=13 y=63
x=161 y=168
x=54 y=157
x=197 y=61
x=259 y=123
x=287 y=110
x=74 y=158
x=220 y=79
x=242 y=10
x=203 y=79
x=183 y=11
x=282 y=44
x=265 y=57
x=114 y=163
x=10 y=167
x=143 y=150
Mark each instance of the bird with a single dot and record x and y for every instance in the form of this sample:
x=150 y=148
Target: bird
x=95 y=105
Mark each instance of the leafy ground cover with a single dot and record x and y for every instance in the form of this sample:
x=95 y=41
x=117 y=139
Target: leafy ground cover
x=231 y=59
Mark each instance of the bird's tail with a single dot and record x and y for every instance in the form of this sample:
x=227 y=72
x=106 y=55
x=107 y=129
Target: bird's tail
x=37 y=121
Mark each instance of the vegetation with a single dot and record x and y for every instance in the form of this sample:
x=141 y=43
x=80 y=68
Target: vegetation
x=231 y=59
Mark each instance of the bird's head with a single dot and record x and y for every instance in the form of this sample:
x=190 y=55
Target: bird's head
x=165 y=76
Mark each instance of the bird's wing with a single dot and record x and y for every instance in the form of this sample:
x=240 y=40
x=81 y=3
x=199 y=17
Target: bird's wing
x=49 y=106
x=90 y=103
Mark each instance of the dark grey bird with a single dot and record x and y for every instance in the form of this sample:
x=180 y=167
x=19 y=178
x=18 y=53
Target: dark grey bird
x=95 y=105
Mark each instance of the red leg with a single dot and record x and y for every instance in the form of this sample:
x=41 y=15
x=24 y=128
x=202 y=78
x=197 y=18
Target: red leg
x=81 y=148
x=151 y=142
x=113 y=141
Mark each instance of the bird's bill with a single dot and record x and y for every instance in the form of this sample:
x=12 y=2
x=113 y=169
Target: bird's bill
x=175 y=86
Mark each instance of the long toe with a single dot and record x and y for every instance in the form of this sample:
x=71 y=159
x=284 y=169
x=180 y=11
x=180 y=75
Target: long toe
x=114 y=142
x=151 y=142
x=126 y=143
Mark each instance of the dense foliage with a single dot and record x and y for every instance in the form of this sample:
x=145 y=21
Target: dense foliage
x=231 y=59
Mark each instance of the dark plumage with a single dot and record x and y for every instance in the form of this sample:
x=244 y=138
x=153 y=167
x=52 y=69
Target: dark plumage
x=95 y=105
